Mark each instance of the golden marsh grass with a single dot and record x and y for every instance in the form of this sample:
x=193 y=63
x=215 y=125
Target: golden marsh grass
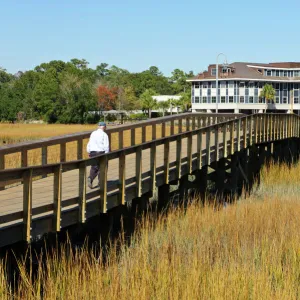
x=250 y=250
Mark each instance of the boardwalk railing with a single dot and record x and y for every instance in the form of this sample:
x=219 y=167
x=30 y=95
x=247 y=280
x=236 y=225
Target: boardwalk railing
x=63 y=199
x=159 y=127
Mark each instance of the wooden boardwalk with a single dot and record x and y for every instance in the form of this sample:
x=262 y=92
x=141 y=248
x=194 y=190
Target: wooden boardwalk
x=11 y=199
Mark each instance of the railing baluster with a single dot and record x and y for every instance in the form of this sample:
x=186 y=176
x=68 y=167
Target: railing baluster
x=225 y=140
x=251 y=130
x=216 y=142
x=153 y=165
x=63 y=152
x=103 y=162
x=163 y=129
x=208 y=133
x=122 y=177
x=143 y=134
x=138 y=168
x=121 y=140
x=24 y=158
x=238 y=134
x=79 y=149
x=172 y=127
x=178 y=156
x=153 y=132
x=189 y=152
x=166 y=161
x=245 y=124
x=2 y=167
x=57 y=197
x=27 y=204
x=232 y=137
x=82 y=192
x=180 y=126
x=132 y=136
x=199 y=149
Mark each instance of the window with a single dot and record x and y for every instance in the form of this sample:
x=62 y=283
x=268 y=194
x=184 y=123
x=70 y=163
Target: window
x=224 y=70
x=277 y=73
x=296 y=93
x=213 y=99
x=276 y=86
x=223 y=99
x=296 y=86
x=231 y=85
x=285 y=73
x=296 y=73
x=205 y=85
x=242 y=84
x=213 y=85
x=242 y=99
x=230 y=99
x=269 y=73
x=296 y=100
x=197 y=99
x=284 y=100
x=284 y=86
x=193 y=100
x=277 y=99
x=197 y=86
x=213 y=72
x=204 y=99
x=250 y=85
x=251 y=99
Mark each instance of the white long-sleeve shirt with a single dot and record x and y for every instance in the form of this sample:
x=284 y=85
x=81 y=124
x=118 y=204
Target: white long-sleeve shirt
x=98 y=142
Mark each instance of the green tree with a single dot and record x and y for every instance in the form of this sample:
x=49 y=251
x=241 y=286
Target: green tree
x=172 y=104
x=147 y=101
x=268 y=93
x=163 y=105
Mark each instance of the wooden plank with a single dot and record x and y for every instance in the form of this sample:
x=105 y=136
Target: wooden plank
x=82 y=192
x=231 y=137
x=199 y=149
x=178 y=156
x=256 y=124
x=27 y=204
x=245 y=136
x=121 y=140
x=153 y=132
x=122 y=178
x=180 y=126
x=187 y=122
x=132 y=136
x=57 y=197
x=217 y=150
x=163 y=129
x=24 y=158
x=251 y=130
x=103 y=183
x=193 y=123
x=208 y=133
x=238 y=130
x=166 y=161
x=138 y=169
x=143 y=135
x=80 y=149
x=189 y=152
x=172 y=127
x=63 y=152
x=153 y=166
x=225 y=140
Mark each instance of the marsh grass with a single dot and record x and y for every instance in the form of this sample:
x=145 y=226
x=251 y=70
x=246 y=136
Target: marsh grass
x=250 y=250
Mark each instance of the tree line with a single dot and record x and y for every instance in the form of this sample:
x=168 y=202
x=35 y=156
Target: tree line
x=65 y=92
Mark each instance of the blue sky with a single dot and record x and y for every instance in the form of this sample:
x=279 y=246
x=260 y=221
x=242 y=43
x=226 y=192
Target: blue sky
x=137 y=34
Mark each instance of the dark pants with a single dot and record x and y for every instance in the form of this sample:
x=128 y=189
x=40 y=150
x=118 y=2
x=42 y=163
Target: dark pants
x=95 y=166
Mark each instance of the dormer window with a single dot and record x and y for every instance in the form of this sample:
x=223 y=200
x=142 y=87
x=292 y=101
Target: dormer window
x=213 y=72
x=269 y=73
x=259 y=71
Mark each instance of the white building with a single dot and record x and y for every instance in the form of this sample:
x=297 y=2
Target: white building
x=240 y=85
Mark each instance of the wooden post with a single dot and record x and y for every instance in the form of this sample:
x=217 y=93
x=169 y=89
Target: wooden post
x=138 y=169
x=208 y=131
x=251 y=130
x=63 y=152
x=57 y=197
x=172 y=127
x=225 y=140
x=166 y=161
x=143 y=134
x=82 y=192
x=24 y=158
x=180 y=126
x=153 y=132
x=178 y=156
x=163 y=129
x=121 y=139
x=79 y=148
x=232 y=137
x=189 y=152
x=199 y=149
x=153 y=166
x=103 y=183
x=132 y=136
x=256 y=120
x=122 y=177
x=245 y=125
x=27 y=204
x=216 y=142
x=2 y=167
x=193 y=123
x=238 y=134
x=187 y=122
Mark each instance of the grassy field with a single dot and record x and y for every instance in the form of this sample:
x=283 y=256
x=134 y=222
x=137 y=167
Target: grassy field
x=15 y=133
x=250 y=250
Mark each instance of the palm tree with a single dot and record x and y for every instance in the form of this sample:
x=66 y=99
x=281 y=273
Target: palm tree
x=164 y=105
x=148 y=103
x=172 y=103
x=268 y=92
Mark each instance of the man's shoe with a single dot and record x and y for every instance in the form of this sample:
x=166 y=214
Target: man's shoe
x=90 y=185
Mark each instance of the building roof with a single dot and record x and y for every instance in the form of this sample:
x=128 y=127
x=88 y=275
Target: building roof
x=250 y=71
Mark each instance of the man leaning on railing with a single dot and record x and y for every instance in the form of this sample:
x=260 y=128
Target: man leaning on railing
x=98 y=144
